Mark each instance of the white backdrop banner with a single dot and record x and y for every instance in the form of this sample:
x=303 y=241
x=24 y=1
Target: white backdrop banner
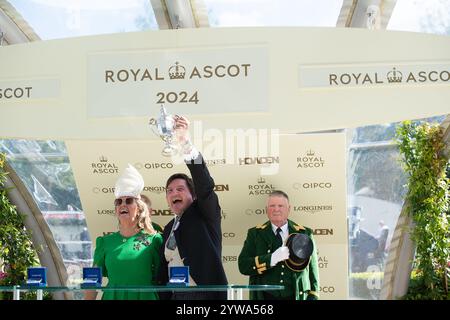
x=204 y=81
x=289 y=79
x=310 y=168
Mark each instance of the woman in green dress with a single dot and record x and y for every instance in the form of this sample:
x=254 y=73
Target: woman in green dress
x=129 y=257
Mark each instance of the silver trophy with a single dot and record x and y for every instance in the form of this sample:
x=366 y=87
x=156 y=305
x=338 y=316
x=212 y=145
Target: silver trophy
x=164 y=127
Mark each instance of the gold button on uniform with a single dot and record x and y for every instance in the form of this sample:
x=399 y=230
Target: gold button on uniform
x=281 y=281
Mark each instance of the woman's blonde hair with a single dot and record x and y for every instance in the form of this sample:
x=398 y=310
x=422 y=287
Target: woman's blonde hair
x=144 y=222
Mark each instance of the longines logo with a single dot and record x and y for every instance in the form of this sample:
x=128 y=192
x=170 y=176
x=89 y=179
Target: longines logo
x=322 y=262
x=155 y=189
x=312 y=185
x=104 y=167
x=394 y=76
x=258 y=211
x=221 y=187
x=323 y=232
x=109 y=212
x=226 y=259
x=215 y=162
x=178 y=72
x=313 y=209
x=258 y=160
x=310 y=160
x=261 y=188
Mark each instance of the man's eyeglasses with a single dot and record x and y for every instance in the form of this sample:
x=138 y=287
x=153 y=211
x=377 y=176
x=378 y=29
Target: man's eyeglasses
x=128 y=201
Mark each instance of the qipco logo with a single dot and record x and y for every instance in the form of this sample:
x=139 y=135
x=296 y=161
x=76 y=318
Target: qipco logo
x=329 y=289
x=228 y=234
x=251 y=212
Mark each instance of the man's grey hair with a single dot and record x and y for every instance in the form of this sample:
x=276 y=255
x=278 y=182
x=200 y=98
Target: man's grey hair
x=279 y=193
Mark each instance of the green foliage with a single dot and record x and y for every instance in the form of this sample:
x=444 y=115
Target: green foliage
x=421 y=146
x=16 y=250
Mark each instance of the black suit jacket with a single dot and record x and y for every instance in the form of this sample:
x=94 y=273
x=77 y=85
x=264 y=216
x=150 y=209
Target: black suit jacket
x=199 y=235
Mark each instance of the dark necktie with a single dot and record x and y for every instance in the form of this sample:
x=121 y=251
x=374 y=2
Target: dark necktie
x=279 y=241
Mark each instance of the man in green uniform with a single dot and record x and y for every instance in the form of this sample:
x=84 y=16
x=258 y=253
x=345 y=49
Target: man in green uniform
x=264 y=256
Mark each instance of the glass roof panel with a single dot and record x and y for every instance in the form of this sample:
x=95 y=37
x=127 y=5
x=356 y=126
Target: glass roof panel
x=240 y=13
x=54 y=19
x=429 y=16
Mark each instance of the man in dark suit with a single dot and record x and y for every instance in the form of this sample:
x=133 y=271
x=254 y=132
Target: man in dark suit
x=194 y=237
x=266 y=258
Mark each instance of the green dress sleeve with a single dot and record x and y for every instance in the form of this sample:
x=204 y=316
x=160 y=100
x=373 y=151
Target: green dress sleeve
x=99 y=256
x=157 y=243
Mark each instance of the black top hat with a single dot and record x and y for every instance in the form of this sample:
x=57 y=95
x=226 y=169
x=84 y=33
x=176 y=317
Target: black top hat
x=300 y=249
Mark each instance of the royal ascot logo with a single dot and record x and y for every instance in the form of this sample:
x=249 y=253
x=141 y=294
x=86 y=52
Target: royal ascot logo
x=155 y=189
x=221 y=187
x=178 y=72
x=226 y=259
x=259 y=211
x=223 y=214
x=323 y=232
x=104 y=167
x=322 y=262
x=162 y=212
x=261 y=188
x=394 y=76
x=312 y=185
x=310 y=160
x=15 y=93
x=258 y=160
x=109 y=212
x=314 y=209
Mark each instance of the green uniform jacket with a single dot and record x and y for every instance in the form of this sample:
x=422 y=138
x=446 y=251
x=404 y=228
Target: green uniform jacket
x=254 y=261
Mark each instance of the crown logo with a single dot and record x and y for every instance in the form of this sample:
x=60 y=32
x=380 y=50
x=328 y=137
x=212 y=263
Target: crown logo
x=261 y=180
x=177 y=71
x=310 y=153
x=103 y=159
x=394 y=76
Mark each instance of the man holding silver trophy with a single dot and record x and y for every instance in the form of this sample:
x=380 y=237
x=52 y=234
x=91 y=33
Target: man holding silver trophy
x=194 y=237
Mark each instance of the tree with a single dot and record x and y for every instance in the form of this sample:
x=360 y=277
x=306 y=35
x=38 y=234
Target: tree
x=422 y=146
x=16 y=249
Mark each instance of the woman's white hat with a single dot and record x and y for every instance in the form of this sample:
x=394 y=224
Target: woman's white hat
x=129 y=184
